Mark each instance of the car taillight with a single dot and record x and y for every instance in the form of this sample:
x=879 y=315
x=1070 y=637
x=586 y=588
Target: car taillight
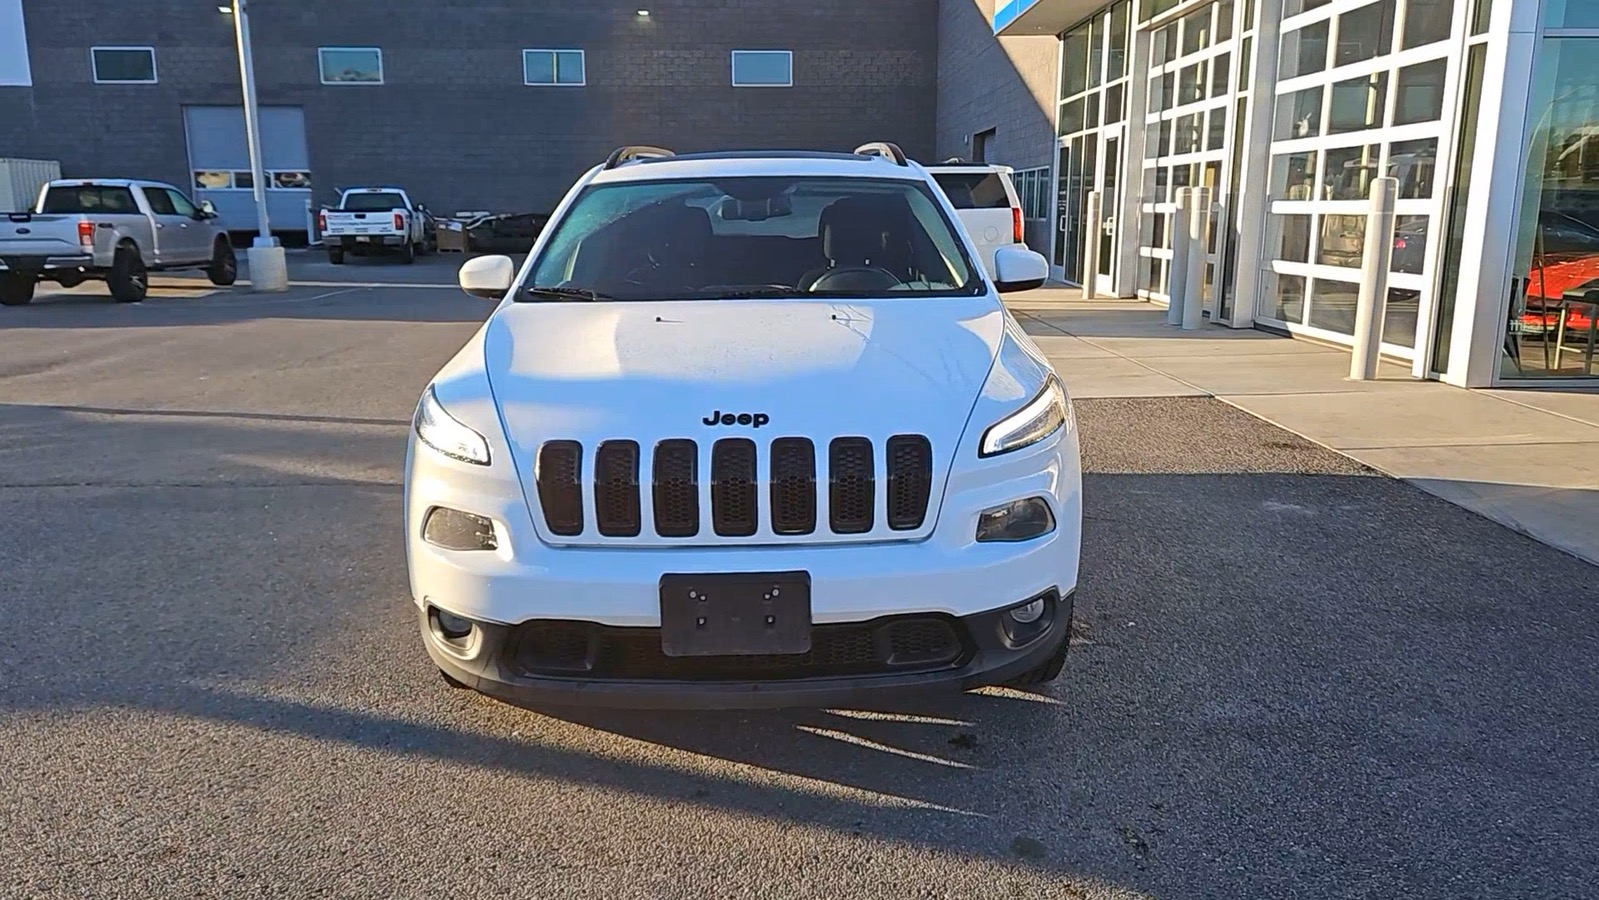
x=399 y=221
x=1016 y=225
x=1399 y=243
x=322 y=222
x=86 y=234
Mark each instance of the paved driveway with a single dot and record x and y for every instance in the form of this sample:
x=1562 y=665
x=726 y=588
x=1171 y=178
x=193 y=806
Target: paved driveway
x=1292 y=678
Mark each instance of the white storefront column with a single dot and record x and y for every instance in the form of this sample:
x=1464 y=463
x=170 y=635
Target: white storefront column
x=1493 y=214
x=1255 y=184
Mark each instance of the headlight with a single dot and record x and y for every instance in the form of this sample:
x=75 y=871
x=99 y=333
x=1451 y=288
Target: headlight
x=1041 y=417
x=443 y=433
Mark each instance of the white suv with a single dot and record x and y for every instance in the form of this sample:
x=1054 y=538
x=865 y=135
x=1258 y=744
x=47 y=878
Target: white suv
x=985 y=200
x=746 y=429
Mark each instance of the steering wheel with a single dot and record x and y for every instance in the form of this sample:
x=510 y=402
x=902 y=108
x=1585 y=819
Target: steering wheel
x=856 y=278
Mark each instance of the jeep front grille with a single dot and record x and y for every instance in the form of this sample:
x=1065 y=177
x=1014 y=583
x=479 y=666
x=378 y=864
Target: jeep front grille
x=559 y=472
x=776 y=488
x=676 y=489
x=733 y=503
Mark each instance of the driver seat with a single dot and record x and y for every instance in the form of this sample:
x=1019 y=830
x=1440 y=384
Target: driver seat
x=866 y=230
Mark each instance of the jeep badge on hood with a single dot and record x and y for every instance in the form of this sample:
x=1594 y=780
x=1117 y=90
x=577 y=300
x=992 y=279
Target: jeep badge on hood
x=721 y=418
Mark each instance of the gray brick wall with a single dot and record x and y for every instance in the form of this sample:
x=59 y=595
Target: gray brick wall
x=453 y=121
x=1003 y=83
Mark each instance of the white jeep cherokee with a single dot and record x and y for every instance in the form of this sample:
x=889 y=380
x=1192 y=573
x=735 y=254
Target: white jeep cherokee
x=747 y=429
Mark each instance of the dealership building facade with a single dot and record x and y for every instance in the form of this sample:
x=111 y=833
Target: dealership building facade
x=1484 y=111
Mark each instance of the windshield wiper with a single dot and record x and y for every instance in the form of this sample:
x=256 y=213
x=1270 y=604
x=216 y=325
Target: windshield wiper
x=565 y=293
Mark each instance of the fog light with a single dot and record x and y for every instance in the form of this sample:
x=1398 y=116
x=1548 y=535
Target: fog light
x=1026 y=622
x=456 y=530
x=1019 y=520
x=452 y=626
x=1028 y=613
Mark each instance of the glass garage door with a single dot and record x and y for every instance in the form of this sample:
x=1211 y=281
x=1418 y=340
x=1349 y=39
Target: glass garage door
x=1363 y=91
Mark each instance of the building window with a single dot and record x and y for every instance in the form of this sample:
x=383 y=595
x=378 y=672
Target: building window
x=217 y=180
x=763 y=68
x=564 y=68
x=351 y=65
x=123 y=65
x=1033 y=187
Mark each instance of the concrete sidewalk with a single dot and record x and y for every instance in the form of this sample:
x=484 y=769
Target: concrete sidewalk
x=1518 y=457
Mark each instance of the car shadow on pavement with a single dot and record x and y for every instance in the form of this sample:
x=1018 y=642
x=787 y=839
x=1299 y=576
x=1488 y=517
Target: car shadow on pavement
x=1290 y=676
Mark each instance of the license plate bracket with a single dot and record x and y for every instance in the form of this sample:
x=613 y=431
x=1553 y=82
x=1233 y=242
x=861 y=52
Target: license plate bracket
x=736 y=614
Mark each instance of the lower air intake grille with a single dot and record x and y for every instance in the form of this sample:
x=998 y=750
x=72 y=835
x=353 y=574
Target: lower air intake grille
x=556 y=648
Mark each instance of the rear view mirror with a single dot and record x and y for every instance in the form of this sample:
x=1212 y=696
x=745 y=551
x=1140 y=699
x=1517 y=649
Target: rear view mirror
x=758 y=210
x=1019 y=269
x=487 y=277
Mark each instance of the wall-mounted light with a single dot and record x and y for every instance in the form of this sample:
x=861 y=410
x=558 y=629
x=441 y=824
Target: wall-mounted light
x=225 y=10
x=644 y=14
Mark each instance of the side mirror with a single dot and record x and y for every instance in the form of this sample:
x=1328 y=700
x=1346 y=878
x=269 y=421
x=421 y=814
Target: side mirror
x=1019 y=269
x=488 y=277
x=208 y=209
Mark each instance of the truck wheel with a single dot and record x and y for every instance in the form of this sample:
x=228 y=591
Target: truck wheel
x=336 y=255
x=16 y=290
x=129 y=281
x=224 y=267
x=408 y=254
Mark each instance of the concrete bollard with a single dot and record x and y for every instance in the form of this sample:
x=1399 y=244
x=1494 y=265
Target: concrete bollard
x=1177 y=277
x=269 y=268
x=1198 y=226
x=1371 y=308
x=1091 y=238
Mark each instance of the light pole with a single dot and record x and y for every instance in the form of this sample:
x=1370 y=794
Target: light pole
x=269 y=269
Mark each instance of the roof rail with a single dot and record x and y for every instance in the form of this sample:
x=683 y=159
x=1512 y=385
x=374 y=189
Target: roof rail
x=882 y=148
x=628 y=154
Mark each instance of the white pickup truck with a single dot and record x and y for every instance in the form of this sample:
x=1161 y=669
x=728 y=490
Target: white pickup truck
x=376 y=220
x=113 y=230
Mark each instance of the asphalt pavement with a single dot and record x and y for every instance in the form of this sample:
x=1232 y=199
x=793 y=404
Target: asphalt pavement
x=1291 y=677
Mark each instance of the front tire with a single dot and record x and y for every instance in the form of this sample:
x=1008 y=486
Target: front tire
x=129 y=280
x=16 y=289
x=224 y=267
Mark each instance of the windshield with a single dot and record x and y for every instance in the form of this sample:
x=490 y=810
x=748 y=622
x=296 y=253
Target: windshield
x=372 y=203
x=753 y=237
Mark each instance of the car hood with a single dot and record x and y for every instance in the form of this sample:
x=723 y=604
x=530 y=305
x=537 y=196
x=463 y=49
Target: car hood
x=649 y=372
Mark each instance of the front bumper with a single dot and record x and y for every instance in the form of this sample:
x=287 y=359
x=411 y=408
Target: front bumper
x=623 y=667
